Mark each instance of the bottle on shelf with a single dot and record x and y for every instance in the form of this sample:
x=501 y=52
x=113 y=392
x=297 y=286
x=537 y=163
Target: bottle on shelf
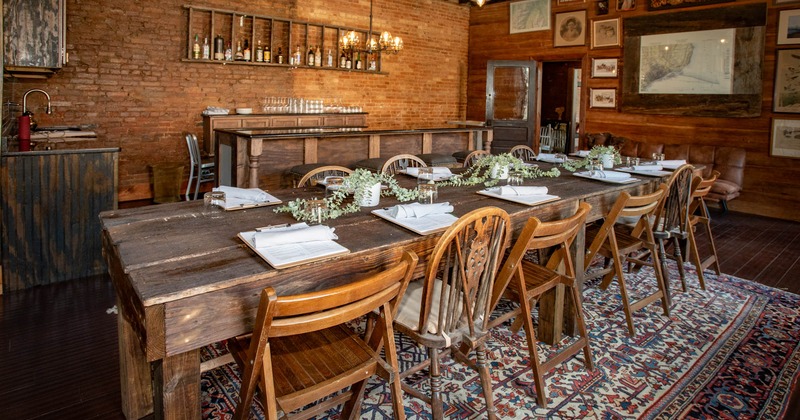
x=219 y=48
x=372 y=63
x=318 y=57
x=246 y=52
x=280 y=55
x=330 y=58
x=239 y=55
x=259 y=53
x=298 y=57
x=349 y=63
x=206 y=49
x=196 y=47
x=358 y=61
x=229 y=53
x=310 y=59
x=343 y=61
x=268 y=55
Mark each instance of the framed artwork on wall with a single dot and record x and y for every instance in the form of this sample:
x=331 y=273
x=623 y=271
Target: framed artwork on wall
x=602 y=98
x=786 y=97
x=625 y=5
x=789 y=27
x=529 y=16
x=675 y=4
x=570 y=29
x=606 y=33
x=785 y=140
x=569 y=2
x=604 y=67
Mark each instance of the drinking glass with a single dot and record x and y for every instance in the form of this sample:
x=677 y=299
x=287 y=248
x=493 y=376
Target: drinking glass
x=424 y=176
x=515 y=178
x=214 y=204
x=427 y=193
x=315 y=209
x=560 y=158
x=635 y=161
x=333 y=184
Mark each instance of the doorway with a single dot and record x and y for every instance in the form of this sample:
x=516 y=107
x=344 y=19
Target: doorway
x=511 y=92
x=560 y=99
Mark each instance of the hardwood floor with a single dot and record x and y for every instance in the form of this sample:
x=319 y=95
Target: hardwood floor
x=58 y=358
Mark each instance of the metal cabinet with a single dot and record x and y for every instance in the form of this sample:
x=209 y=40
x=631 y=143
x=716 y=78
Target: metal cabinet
x=35 y=37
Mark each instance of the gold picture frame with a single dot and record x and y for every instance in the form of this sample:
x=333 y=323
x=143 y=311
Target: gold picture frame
x=569 y=29
x=606 y=33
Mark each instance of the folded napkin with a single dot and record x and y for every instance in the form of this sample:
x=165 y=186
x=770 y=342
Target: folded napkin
x=656 y=167
x=545 y=156
x=437 y=170
x=516 y=191
x=582 y=153
x=296 y=233
x=252 y=194
x=672 y=164
x=610 y=175
x=402 y=211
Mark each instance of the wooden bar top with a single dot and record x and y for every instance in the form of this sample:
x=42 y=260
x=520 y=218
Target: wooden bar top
x=283 y=132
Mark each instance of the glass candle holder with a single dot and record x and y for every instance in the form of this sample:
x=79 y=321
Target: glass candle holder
x=427 y=193
x=214 y=204
x=314 y=210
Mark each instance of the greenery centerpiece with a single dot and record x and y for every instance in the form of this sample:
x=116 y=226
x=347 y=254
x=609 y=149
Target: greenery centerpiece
x=595 y=154
x=360 y=184
x=486 y=169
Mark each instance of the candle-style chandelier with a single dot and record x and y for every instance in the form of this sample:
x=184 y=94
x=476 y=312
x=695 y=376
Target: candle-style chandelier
x=351 y=42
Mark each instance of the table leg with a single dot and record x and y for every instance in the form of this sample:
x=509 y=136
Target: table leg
x=176 y=386
x=254 y=154
x=134 y=372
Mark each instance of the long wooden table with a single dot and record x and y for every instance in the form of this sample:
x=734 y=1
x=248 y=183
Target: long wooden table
x=184 y=281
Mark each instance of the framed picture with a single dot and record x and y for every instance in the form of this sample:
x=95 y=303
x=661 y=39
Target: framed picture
x=786 y=97
x=570 y=29
x=602 y=98
x=625 y=5
x=785 y=140
x=569 y=2
x=606 y=33
x=529 y=16
x=781 y=2
x=604 y=67
x=676 y=4
x=789 y=27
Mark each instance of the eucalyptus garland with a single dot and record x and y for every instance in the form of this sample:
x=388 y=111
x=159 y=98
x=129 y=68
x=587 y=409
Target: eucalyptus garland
x=592 y=157
x=481 y=171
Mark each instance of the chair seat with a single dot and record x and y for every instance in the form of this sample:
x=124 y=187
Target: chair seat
x=373 y=164
x=461 y=155
x=438 y=159
x=300 y=170
x=625 y=242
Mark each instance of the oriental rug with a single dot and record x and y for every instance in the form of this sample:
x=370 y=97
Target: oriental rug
x=731 y=351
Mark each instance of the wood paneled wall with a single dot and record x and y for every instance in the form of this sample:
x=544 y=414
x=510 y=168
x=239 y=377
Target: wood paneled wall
x=772 y=184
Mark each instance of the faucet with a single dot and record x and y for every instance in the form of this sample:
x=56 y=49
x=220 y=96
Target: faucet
x=48 y=111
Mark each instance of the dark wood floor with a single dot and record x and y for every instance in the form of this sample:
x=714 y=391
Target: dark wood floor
x=58 y=358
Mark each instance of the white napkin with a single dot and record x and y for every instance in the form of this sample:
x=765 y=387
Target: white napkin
x=437 y=170
x=656 y=167
x=402 y=211
x=296 y=233
x=545 y=156
x=672 y=164
x=582 y=153
x=517 y=191
x=610 y=175
x=252 y=194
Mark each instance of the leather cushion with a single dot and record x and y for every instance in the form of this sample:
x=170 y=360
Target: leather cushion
x=374 y=164
x=437 y=159
x=301 y=170
x=725 y=187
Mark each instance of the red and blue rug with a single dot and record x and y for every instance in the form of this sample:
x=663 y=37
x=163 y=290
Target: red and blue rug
x=731 y=352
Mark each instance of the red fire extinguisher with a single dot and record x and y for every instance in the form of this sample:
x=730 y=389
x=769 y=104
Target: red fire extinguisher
x=24 y=136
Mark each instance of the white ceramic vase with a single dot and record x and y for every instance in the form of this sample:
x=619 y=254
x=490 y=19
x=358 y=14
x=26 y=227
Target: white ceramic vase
x=372 y=196
x=497 y=173
x=607 y=161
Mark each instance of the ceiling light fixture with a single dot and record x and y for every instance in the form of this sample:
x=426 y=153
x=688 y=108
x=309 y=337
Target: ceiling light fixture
x=384 y=44
x=480 y=3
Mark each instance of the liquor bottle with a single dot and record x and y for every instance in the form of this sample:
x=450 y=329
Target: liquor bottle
x=349 y=63
x=259 y=53
x=298 y=56
x=219 y=48
x=318 y=57
x=246 y=53
x=330 y=58
x=311 y=58
x=206 y=49
x=196 y=47
x=239 y=55
x=229 y=53
x=372 y=63
x=358 y=61
x=343 y=61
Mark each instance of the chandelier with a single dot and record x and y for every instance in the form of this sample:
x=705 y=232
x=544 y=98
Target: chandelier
x=351 y=42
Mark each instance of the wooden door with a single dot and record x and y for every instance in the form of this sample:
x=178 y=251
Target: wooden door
x=511 y=103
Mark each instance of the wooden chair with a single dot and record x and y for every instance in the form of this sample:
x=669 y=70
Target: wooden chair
x=672 y=223
x=474 y=156
x=698 y=215
x=199 y=172
x=525 y=282
x=319 y=174
x=620 y=248
x=400 y=162
x=525 y=153
x=545 y=139
x=300 y=352
x=449 y=311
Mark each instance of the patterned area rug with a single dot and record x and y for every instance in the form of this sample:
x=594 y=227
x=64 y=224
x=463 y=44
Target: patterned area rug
x=729 y=352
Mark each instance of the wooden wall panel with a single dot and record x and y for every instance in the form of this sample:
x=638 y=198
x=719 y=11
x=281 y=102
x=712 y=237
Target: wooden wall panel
x=771 y=185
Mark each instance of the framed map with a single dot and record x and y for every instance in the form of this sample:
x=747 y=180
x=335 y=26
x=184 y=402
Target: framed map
x=528 y=16
x=786 y=97
x=694 y=63
x=785 y=140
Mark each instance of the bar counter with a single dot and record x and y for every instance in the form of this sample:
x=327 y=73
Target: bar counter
x=261 y=157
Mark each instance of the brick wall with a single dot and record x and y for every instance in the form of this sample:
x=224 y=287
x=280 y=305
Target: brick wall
x=125 y=74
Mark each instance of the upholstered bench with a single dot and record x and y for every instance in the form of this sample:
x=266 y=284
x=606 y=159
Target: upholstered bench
x=430 y=159
x=728 y=161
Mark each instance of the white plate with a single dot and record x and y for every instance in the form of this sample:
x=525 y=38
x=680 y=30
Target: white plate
x=645 y=173
x=423 y=225
x=436 y=177
x=609 y=180
x=244 y=111
x=529 y=200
